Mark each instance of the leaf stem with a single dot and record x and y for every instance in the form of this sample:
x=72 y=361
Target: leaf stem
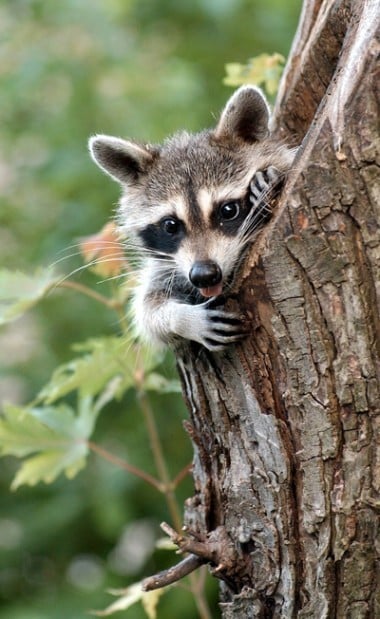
x=197 y=587
x=106 y=455
x=120 y=308
x=181 y=475
x=196 y=584
x=111 y=303
x=159 y=460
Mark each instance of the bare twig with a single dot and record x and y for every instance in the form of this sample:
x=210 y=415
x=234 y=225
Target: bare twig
x=173 y=574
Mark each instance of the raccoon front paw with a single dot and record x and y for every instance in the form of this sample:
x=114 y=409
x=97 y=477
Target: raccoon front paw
x=222 y=329
x=213 y=327
x=262 y=183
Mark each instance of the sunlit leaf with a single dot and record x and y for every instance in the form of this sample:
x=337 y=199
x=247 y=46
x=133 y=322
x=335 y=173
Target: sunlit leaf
x=159 y=383
x=104 y=251
x=109 y=363
x=150 y=601
x=263 y=70
x=19 y=292
x=48 y=465
x=130 y=596
x=22 y=433
x=111 y=391
x=165 y=543
x=55 y=438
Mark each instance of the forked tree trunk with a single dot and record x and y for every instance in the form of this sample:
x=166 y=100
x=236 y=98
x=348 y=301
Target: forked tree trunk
x=284 y=426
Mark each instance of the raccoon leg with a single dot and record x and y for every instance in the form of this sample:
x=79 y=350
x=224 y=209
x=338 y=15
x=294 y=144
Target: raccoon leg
x=213 y=328
x=262 y=183
x=159 y=319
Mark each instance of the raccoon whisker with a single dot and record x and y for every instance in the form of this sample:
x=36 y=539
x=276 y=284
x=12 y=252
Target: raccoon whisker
x=143 y=251
x=80 y=251
x=83 y=267
x=169 y=288
x=255 y=219
x=112 y=278
x=107 y=258
x=129 y=274
x=241 y=251
x=252 y=229
x=136 y=245
x=79 y=244
x=64 y=278
x=163 y=276
x=260 y=213
x=164 y=263
x=146 y=255
x=67 y=257
x=155 y=254
x=160 y=267
x=246 y=233
x=102 y=260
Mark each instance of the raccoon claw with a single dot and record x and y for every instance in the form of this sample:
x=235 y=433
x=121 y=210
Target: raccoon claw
x=262 y=183
x=215 y=346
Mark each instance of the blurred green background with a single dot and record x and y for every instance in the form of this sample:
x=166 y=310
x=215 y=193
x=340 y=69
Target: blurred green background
x=69 y=69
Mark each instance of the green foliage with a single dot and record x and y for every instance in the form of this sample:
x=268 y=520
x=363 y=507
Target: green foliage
x=53 y=438
x=129 y=596
x=56 y=434
x=107 y=367
x=19 y=291
x=263 y=70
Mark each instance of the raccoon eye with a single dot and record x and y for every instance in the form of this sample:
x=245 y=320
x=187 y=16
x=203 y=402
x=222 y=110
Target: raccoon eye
x=229 y=211
x=170 y=225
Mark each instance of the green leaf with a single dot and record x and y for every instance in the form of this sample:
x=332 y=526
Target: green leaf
x=47 y=466
x=55 y=435
x=130 y=596
x=108 y=363
x=150 y=601
x=165 y=543
x=19 y=292
x=159 y=383
x=262 y=70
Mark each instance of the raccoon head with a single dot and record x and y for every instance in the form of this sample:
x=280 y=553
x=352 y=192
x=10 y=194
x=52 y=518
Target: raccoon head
x=187 y=200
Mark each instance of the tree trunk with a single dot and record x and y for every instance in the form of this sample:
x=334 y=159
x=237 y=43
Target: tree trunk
x=284 y=425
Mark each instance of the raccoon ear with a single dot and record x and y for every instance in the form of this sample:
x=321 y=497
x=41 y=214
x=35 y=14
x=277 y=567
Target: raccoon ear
x=124 y=161
x=246 y=116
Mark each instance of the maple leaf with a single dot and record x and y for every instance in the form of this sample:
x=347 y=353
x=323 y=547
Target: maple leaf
x=51 y=439
x=131 y=595
x=104 y=251
x=262 y=70
x=19 y=291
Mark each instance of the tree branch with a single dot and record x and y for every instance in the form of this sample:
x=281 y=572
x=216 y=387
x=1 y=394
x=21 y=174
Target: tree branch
x=173 y=574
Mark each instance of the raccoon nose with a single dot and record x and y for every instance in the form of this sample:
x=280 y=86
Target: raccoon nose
x=205 y=273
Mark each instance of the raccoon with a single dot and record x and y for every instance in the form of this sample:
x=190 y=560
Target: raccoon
x=190 y=208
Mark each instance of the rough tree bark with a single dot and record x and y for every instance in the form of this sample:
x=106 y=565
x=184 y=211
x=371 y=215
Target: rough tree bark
x=284 y=425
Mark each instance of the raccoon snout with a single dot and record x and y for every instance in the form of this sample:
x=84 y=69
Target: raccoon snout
x=205 y=273
x=207 y=276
